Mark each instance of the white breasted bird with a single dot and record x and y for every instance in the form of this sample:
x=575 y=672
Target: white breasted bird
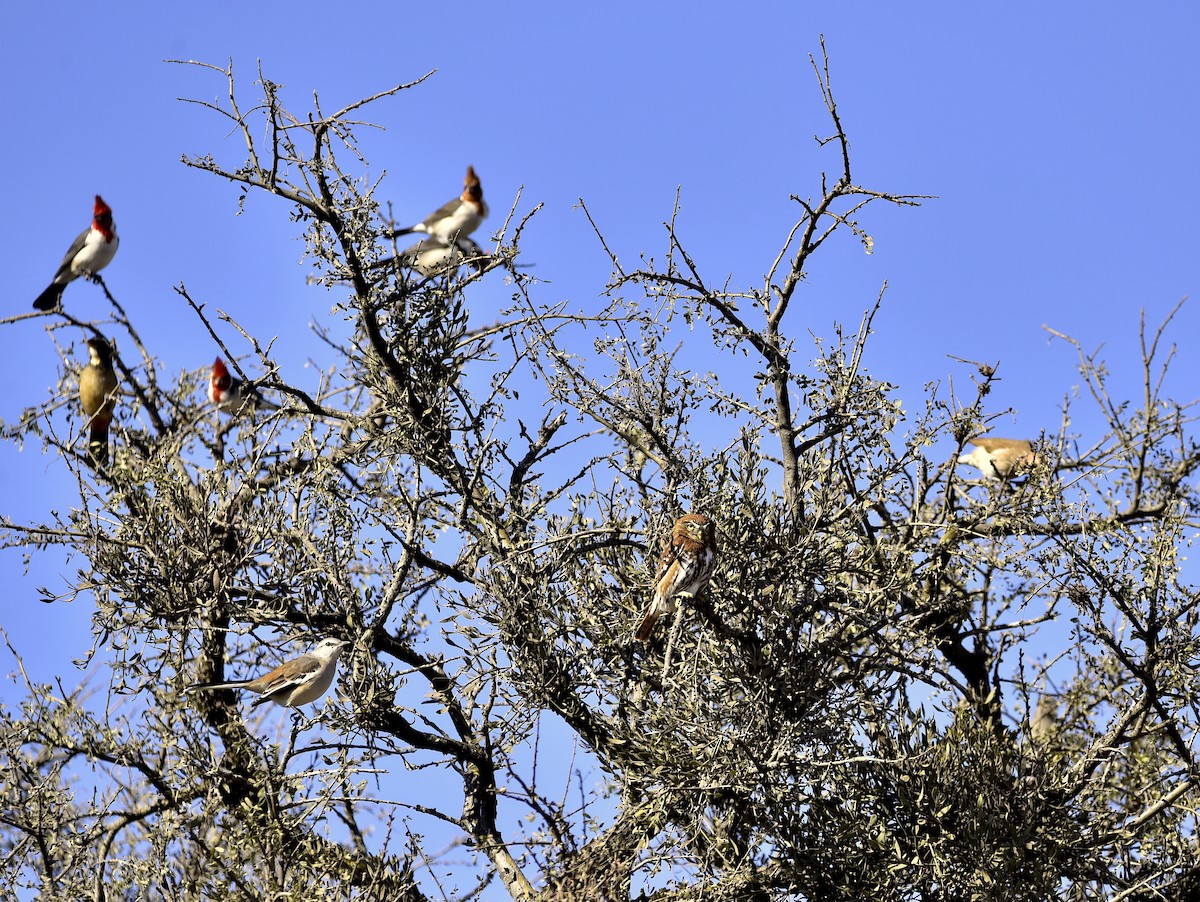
x=430 y=257
x=89 y=253
x=231 y=394
x=1001 y=458
x=296 y=682
x=457 y=219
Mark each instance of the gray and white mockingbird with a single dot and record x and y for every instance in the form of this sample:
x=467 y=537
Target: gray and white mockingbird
x=296 y=682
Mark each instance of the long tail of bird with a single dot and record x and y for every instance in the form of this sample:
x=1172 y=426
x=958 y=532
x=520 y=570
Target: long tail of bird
x=227 y=684
x=646 y=629
x=98 y=441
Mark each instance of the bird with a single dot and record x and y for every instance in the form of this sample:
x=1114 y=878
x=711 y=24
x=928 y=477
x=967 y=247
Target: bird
x=97 y=396
x=456 y=219
x=429 y=256
x=688 y=560
x=1000 y=458
x=89 y=253
x=231 y=394
x=1043 y=725
x=296 y=682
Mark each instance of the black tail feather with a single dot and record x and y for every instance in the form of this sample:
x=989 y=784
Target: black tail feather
x=50 y=298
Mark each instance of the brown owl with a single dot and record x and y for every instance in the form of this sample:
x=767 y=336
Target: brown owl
x=688 y=560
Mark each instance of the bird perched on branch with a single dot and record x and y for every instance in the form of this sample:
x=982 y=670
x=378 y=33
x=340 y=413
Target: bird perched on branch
x=98 y=397
x=231 y=394
x=430 y=257
x=296 y=682
x=456 y=219
x=89 y=253
x=1001 y=458
x=688 y=560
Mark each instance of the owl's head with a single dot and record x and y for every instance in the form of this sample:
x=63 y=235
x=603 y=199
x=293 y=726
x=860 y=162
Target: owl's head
x=698 y=526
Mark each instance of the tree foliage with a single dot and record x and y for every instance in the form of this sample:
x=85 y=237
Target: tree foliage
x=903 y=683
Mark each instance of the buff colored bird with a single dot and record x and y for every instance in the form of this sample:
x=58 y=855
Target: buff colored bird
x=1001 y=458
x=98 y=397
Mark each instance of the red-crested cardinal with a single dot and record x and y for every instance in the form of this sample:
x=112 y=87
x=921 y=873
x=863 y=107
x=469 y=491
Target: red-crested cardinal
x=295 y=682
x=231 y=394
x=90 y=252
x=98 y=397
x=1000 y=458
x=457 y=219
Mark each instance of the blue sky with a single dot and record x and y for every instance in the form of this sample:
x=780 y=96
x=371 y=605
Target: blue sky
x=1060 y=140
